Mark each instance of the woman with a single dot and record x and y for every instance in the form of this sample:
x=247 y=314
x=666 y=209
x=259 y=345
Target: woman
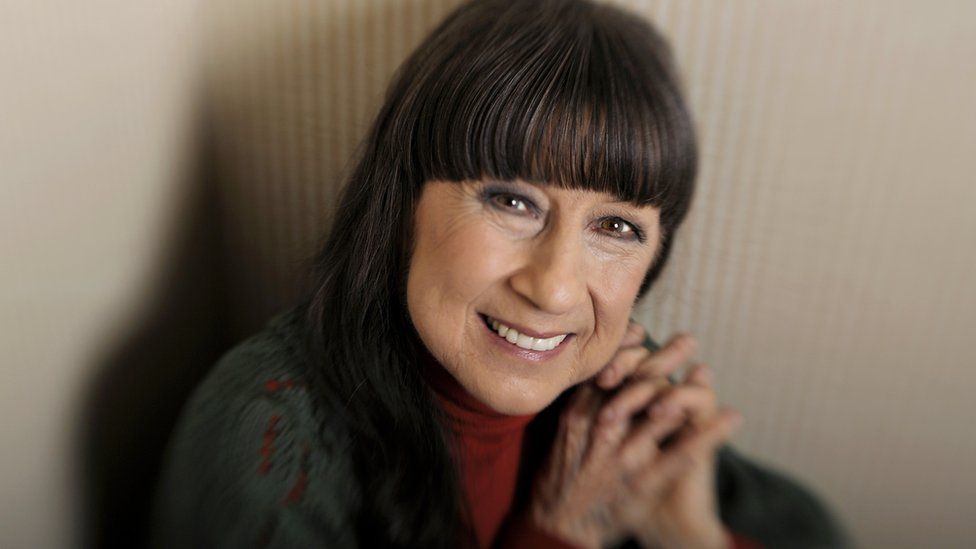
x=464 y=372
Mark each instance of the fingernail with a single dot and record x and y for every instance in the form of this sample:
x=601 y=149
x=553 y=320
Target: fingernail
x=608 y=414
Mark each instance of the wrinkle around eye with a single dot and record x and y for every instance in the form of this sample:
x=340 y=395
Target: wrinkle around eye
x=618 y=249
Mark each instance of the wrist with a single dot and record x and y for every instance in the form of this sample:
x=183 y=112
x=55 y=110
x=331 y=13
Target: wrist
x=567 y=530
x=712 y=536
x=716 y=537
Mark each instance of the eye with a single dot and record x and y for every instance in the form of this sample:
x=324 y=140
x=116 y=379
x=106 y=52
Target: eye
x=512 y=202
x=622 y=229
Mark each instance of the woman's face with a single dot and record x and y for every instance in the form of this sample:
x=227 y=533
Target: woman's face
x=540 y=260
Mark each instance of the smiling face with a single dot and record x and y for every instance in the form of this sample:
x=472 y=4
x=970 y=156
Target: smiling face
x=537 y=259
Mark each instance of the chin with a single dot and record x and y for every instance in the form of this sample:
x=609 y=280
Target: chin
x=517 y=403
x=520 y=408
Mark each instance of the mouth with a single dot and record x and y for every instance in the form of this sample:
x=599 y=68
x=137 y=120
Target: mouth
x=514 y=342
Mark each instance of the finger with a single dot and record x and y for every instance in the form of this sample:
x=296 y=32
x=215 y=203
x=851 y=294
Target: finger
x=688 y=452
x=624 y=362
x=700 y=404
x=605 y=440
x=630 y=399
x=574 y=427
x=613 y=423
x=644 y=442
x=658 y=364
x=633 y=338
x=634 y=335
x=614 y=419
x=700 y=375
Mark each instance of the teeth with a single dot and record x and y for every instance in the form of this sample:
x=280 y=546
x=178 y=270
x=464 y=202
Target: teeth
x=525 y=342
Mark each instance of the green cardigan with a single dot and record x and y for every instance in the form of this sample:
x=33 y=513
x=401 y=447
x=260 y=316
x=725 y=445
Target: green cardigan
x=244 y=467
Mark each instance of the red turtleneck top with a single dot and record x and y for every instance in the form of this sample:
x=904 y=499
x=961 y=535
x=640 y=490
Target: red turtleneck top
x=489 y=451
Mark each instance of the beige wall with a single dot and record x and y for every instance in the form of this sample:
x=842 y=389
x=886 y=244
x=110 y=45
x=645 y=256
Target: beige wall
x=95 y=112
x=825 y=267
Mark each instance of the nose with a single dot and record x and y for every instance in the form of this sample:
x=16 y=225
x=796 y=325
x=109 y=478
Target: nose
x=553 y=277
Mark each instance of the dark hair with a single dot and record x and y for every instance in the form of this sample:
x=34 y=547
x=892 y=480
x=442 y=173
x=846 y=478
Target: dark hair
x=566 y=92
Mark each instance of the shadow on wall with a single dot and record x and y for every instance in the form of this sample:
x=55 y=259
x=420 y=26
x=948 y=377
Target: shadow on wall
x=261 y=105
x=133 y=400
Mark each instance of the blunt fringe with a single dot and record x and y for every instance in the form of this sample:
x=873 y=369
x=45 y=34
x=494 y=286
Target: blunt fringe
x=571 y=93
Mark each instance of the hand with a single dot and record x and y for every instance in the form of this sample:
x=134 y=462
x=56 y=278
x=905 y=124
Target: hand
x=571 y=494
x=633 y=360
x=684 y=514
x=671 y=501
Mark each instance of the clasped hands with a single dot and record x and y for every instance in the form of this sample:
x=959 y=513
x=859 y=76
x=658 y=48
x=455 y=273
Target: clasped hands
x=634 y=454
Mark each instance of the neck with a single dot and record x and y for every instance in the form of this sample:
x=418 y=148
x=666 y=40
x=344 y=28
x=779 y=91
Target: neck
x=466 y=412
x=487 y=447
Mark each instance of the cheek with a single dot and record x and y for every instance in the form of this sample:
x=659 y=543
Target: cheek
x=463 y=265
x=613 y=301
x=452 y=267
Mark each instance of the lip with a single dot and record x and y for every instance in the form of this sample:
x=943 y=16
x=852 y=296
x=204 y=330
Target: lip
x=524 y=330
x=513 y=350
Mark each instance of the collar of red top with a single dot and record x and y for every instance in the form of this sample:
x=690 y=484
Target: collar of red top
x=468 y=415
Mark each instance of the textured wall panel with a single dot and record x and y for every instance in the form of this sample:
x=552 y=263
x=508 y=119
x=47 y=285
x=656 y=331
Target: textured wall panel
x=825 y=265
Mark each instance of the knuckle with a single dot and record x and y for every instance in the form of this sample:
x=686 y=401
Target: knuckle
x=578 y=422
x=574 y=420
x=683 y=393
x=712 y=435
x=634 y=455
x=663 y=384
x=628 y=460
x=648 y=365
x=624 y=362
x=607 y=433
x=636 y=328
x=629 y=356
x=687 y=458
x=669 y=393
x=634 y=393
x=650 y=482
x=615 y=361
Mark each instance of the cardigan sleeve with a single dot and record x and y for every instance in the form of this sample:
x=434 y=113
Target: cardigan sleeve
x=242 y=468
x=768 y=506
x=521 y=533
